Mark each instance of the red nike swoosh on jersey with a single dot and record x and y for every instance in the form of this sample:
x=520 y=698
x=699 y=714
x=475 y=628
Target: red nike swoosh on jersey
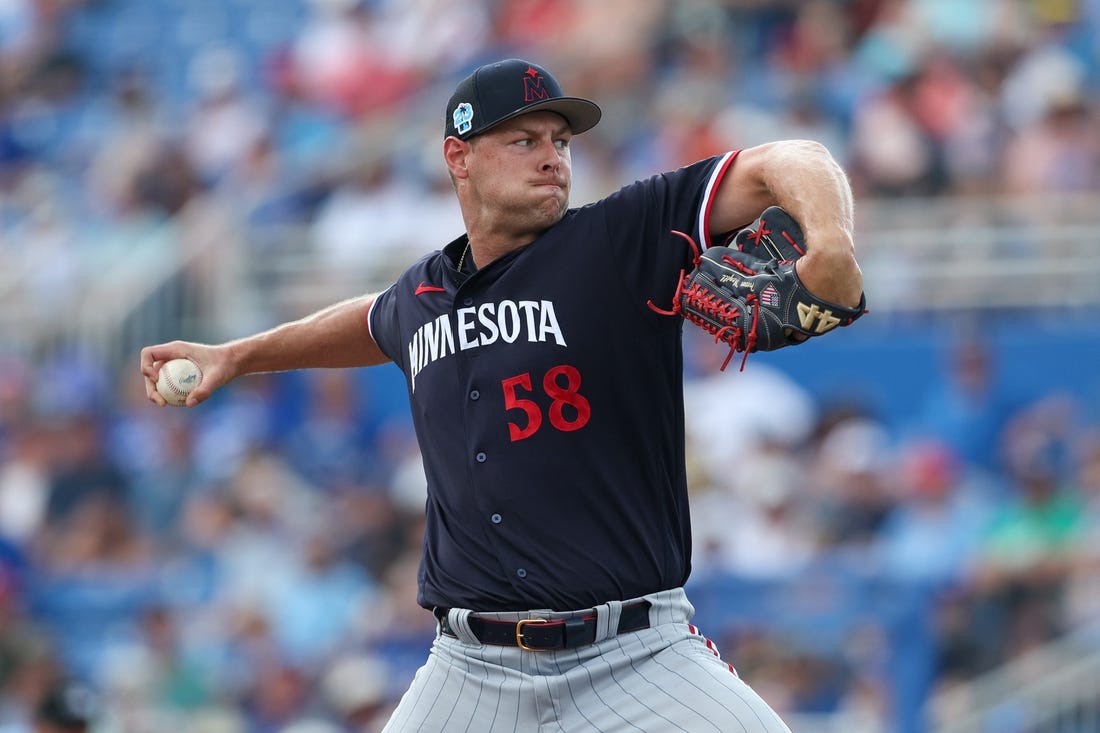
x=425 y=288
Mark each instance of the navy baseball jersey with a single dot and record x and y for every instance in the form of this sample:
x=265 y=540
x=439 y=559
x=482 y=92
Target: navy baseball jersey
x=547 y=401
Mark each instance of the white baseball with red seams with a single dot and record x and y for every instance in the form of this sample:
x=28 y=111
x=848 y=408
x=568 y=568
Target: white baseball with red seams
x=176 y=380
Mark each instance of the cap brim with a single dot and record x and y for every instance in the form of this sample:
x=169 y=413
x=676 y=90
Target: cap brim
x=581 y=114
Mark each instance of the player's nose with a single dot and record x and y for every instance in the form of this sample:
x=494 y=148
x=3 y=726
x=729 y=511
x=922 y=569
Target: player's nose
x=550 y=155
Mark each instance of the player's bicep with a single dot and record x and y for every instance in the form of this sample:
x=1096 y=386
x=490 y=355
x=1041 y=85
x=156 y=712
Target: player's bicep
x=742 y=193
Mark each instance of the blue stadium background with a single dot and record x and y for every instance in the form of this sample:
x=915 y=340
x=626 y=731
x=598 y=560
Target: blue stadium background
x=885 y=515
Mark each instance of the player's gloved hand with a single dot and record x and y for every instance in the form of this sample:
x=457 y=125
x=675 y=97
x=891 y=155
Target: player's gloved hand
x=751 y=297
x=775 y=235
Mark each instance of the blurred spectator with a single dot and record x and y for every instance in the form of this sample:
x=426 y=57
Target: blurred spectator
x=278 y=698
x=156 y=453
x=320 y=607
x=175 y=678
x=356 y=688
x=95 y=572
x=233 y=429
x=428 y=34
x=969 y=406
x=933 y=532
x=1083 y=600
x=81 y=469
x=46 y=253
x=1026 y=555
x=326 y=446
x=257 y=552
x=18 y=23
x=753 y=524
x=958 y=120
x=225 y=124
x=97 y=534
x=341 y=61
x=166 y=184
x=1042 y=76
x=68 y=707
x=771 y=408
x=133 y=139
x=533 y=24
x=893 y=154
x=24 y=482
x=848 y=477
x=1059 y=152
x=948 y=24
x=393 y=614
x=364 y=228
x=26 y=651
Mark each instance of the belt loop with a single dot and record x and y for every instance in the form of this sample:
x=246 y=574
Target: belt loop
x=607 y=619
x=459 y=620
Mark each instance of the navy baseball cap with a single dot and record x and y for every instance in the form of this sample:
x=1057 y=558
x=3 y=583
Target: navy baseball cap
x=502 y=90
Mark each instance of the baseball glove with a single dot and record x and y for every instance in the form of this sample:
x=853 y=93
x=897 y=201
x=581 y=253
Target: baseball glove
x=751 y=297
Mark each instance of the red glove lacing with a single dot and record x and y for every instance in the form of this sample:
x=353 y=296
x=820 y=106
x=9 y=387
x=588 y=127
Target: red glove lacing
x=712 y=305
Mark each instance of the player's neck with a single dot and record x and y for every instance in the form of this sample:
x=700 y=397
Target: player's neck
x=494 y=231
x=482 y=250
x=466 y=261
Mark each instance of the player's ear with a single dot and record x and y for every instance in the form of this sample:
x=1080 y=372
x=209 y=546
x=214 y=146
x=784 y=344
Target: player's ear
x=454 y=155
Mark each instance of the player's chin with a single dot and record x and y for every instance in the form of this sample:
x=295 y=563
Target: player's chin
x=553 y=202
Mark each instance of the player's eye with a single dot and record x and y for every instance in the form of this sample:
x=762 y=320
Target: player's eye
x=561 y=143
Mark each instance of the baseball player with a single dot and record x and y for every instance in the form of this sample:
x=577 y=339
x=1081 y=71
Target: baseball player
x=542 y=354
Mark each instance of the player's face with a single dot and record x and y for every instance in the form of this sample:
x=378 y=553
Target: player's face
x=521 y=171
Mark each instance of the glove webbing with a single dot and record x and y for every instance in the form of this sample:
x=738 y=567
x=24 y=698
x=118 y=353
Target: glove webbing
x=715 y=315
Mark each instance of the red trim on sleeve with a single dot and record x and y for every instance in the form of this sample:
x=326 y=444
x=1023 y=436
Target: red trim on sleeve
x=716 y=180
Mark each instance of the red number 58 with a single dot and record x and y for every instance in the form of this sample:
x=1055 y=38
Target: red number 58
x=560 y=395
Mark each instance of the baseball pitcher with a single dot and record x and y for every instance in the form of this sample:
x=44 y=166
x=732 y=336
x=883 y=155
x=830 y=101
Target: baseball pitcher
x=542 y=355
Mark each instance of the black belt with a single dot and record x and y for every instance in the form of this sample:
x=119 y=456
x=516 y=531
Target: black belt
x=537 y=634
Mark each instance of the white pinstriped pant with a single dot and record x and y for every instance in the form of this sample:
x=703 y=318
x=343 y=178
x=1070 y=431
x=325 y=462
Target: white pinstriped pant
x=665 y=678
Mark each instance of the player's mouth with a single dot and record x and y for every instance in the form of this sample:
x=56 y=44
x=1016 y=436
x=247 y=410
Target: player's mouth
x=551 y=183
x=553 y=189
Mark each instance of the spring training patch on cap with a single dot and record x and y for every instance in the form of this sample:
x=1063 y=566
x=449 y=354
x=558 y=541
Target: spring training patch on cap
x=463 y=118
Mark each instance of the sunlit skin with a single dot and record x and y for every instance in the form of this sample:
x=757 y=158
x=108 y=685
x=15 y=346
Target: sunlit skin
x=512 y=182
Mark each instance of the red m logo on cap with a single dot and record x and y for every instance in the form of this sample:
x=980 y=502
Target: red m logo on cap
x=532 y=86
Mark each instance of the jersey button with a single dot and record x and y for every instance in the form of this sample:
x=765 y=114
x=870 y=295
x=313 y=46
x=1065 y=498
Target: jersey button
x=497 y=519
x=481 y=457
x=475 y=395
x=468 y=301
x=521 y=573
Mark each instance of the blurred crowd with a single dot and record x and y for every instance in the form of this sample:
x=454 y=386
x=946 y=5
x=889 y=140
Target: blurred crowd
x=324 y=115
x=250 y=566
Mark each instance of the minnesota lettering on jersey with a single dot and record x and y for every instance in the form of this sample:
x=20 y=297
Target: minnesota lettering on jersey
x=508 y=321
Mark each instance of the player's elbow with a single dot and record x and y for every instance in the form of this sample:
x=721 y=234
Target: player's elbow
x=832 y=274
x=793 y=155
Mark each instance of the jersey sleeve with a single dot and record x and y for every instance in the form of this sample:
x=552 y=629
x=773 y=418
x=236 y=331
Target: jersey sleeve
x=641 y=218
x=382 y=320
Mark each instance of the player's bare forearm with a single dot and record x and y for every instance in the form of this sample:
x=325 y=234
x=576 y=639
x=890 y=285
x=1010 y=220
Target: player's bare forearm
x=334 y=337
x=802 y=177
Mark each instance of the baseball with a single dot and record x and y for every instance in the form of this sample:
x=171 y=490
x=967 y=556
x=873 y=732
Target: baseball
x=177 y=378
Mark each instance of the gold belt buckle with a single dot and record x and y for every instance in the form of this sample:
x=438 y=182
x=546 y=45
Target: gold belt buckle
x=519 y=633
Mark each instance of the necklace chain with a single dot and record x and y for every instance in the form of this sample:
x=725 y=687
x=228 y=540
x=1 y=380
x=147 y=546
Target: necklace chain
x=462 y=259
